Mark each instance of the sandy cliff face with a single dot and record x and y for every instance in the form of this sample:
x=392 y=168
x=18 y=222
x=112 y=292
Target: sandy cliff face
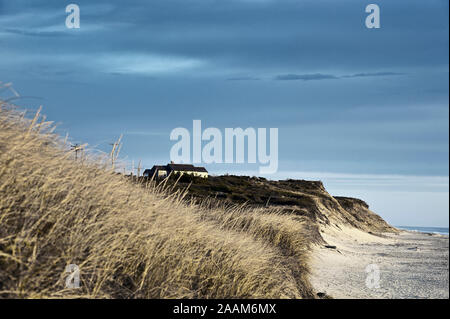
x=329 y=210
x=363 y=217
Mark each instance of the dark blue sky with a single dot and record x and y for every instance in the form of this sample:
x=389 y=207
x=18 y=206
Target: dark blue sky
x=365 y=110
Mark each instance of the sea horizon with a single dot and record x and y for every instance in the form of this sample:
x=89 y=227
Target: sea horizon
x=421 y=229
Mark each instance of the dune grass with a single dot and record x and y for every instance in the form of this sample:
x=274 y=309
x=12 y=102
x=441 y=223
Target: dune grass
x=130 y=241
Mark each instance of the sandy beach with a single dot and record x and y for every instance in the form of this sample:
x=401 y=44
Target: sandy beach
x=411 y=264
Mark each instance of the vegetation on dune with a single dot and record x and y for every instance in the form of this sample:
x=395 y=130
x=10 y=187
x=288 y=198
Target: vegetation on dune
x=306 y=199
x=130 y=241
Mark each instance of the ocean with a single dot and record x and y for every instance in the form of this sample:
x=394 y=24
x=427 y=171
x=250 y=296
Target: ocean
x=436 y=230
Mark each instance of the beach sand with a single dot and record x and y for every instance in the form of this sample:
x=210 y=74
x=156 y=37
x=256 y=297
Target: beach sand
x=411 y=264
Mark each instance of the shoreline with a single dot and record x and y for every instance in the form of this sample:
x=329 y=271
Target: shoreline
x=418 y=229
x=411 y=264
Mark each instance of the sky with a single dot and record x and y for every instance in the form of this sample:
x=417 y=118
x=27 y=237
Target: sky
x=364 y=110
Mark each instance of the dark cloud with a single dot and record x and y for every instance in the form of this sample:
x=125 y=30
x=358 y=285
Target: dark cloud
x=305 y=77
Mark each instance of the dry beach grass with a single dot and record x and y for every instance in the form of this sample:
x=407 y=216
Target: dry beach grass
x=129 y=241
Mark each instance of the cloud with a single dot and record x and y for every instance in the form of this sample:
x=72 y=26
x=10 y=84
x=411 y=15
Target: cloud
x=305 y=77
x=146 y=63
x=36 y=33
x=114 y=63
x=321 y=76
x=235 y=34
x=243 y=78
x=362 y=75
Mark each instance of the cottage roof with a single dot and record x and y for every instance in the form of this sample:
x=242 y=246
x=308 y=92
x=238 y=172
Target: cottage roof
x=186 y=167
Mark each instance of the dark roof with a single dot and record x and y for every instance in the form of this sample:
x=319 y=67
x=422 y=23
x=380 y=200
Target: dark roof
x=155 y=167
x=186 y=167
